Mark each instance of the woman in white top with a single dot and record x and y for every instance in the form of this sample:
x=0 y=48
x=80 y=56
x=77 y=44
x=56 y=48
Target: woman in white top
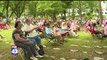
x=31 y=30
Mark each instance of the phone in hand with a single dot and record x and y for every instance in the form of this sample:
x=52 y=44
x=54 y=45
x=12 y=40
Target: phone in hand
x=14 y=50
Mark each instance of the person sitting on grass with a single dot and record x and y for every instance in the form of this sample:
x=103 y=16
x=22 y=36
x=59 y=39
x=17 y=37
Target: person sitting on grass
x=96 y=30
x=49 y=32
x=26 y=44
x=73 y=30
x=58 y=33
x=46 y=22
x=40 y=26
x=65 y=30
x=64 y=26
x=2 y=25
x=78 y=25
x=8 y=26
x=86 y=25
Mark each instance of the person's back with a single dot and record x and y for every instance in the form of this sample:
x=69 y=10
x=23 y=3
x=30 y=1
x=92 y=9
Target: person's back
x=4 y=20
x=48 y=30
x=49 y=33
x=96 y=30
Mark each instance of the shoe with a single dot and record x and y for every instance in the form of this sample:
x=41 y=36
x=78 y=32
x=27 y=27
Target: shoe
x=39 y=56
x=38 y=49
x=33 y=58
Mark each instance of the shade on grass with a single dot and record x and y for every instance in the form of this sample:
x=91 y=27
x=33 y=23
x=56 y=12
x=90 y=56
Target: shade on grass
x=84 y=39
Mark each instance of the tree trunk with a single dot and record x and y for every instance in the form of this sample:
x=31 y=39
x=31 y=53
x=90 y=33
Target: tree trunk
x=18 y=9
x=22 y=10
x=34 y=15
x=14 y=9
x=61 y=15
x=7 y=6
x=11 y=14
x=64 y=14
x=54 y=17
x=69 y=12
x=100 y=10
x=3 y=9
x=73 y=15
x=80 y=12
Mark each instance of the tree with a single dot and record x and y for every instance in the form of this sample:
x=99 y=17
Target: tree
x=18 y=7
x=51 y=8
x=67 y=5
x=57 y=7
x=32 y=8
x=91 y=8
x=5 y=8
x=100 y=10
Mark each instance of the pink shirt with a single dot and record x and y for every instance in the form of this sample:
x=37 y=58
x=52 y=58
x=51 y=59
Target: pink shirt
x=105 y=30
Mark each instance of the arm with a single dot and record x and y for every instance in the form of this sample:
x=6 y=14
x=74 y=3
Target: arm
x=27 y=29
x=18 y=38
x=30 y=30
x=54 y=31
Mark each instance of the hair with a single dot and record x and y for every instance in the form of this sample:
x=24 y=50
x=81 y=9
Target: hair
x=106 y=23
x=48 y=25
x=16 y=24
x=26 y=20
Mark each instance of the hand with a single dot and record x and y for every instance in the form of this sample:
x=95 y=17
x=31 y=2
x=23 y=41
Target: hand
x=27 y=40
x=35 y=27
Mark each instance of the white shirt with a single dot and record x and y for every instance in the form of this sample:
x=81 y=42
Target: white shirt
x=28 y=28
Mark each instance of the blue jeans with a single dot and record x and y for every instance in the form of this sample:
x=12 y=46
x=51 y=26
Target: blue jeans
x=28 y=48
x=37 y=40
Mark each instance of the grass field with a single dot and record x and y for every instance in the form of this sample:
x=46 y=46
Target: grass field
x=54 y=52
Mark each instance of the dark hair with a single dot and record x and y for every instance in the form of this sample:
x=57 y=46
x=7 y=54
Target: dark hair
x=94 y=24
x=106 y=22
x=48 y=25
x=16 y=23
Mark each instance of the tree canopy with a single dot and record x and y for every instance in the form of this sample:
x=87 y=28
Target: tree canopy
x=49 y=8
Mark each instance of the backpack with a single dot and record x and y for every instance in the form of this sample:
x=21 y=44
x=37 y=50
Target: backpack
x=41 y=50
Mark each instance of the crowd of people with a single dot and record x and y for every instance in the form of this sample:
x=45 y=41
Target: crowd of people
x=93 y=27
x=29 y=39
x=4 y=25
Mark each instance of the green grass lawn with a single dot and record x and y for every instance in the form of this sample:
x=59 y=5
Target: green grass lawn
x=84 y=39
